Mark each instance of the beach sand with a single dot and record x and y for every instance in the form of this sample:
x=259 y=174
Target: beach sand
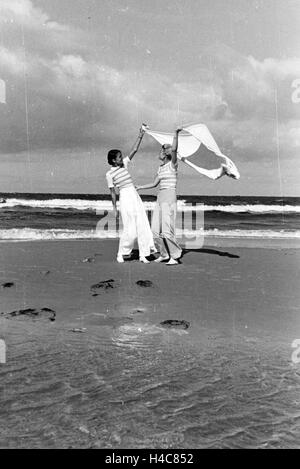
x=104 y=373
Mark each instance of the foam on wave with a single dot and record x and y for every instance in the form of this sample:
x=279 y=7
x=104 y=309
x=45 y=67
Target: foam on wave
x=98 y=205
x=29 y=234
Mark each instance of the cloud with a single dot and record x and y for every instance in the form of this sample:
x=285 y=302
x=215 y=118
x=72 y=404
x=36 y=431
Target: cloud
x=75 y=99
x=251 y=87
x=23 y=12
x=11 y=62
x=26 y=27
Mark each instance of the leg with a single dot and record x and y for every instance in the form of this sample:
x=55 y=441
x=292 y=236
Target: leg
x=144 y=233
x=156 y=230
x=128 y=235
x=168 y=229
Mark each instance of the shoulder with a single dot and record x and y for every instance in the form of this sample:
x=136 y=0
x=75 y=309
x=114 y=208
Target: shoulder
x=109 y=172
x=126 y=161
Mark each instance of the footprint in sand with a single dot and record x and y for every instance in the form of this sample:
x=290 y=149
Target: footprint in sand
x=7 y=285
x=178 y=324
x=32 y=313
x=144 y=283
x=104 y=284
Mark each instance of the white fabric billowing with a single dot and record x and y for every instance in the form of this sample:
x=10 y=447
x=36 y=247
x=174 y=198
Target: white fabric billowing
x=188 y=144
x=135 y=224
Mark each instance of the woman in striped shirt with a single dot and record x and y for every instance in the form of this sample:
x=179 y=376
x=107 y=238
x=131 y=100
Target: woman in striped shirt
x=164 y=215
x=135 y=222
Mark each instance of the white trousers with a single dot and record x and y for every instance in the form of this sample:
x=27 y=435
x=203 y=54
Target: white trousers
x=135 y=224
x=164 y=224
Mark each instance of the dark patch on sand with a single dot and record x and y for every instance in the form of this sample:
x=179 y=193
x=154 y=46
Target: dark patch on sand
x=32 y=313
x=7 y=285
x=144 y=283
x=104 y=284
x=179 y=324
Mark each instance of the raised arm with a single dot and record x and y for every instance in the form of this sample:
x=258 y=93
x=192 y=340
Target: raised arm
x=137 y=143
x=175 y=146
x=149 y=186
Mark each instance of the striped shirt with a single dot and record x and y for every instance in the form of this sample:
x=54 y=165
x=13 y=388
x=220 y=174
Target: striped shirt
x=167 y=174
x=119 y=177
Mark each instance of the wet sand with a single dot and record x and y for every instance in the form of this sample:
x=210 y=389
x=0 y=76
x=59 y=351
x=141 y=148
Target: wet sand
x=105 y=373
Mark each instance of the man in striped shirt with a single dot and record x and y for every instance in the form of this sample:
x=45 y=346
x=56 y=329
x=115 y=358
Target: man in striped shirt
x=164 y=215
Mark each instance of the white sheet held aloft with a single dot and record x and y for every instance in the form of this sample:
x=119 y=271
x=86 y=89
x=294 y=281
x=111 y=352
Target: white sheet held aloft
x=188 y=144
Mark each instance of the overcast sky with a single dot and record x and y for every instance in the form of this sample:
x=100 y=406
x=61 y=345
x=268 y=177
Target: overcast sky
x=82 y=75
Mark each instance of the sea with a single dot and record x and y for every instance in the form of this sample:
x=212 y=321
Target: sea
x=42 y=216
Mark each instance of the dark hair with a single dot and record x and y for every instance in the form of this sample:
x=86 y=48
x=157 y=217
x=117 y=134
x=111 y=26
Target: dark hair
x=112 y=155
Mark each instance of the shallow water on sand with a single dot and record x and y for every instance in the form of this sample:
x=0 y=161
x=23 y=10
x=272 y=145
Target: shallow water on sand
x=138 y=385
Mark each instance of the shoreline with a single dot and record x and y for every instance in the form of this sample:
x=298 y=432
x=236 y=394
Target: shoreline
x=239 y=242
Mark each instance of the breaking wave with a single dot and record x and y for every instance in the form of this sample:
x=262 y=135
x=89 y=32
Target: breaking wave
x=30 y=234
x=79 y=204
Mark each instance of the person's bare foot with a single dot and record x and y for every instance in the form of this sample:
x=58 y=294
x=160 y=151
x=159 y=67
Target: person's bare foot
x=120 y=259
x=172 y=262
x=144 y=260
x=162 y=259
